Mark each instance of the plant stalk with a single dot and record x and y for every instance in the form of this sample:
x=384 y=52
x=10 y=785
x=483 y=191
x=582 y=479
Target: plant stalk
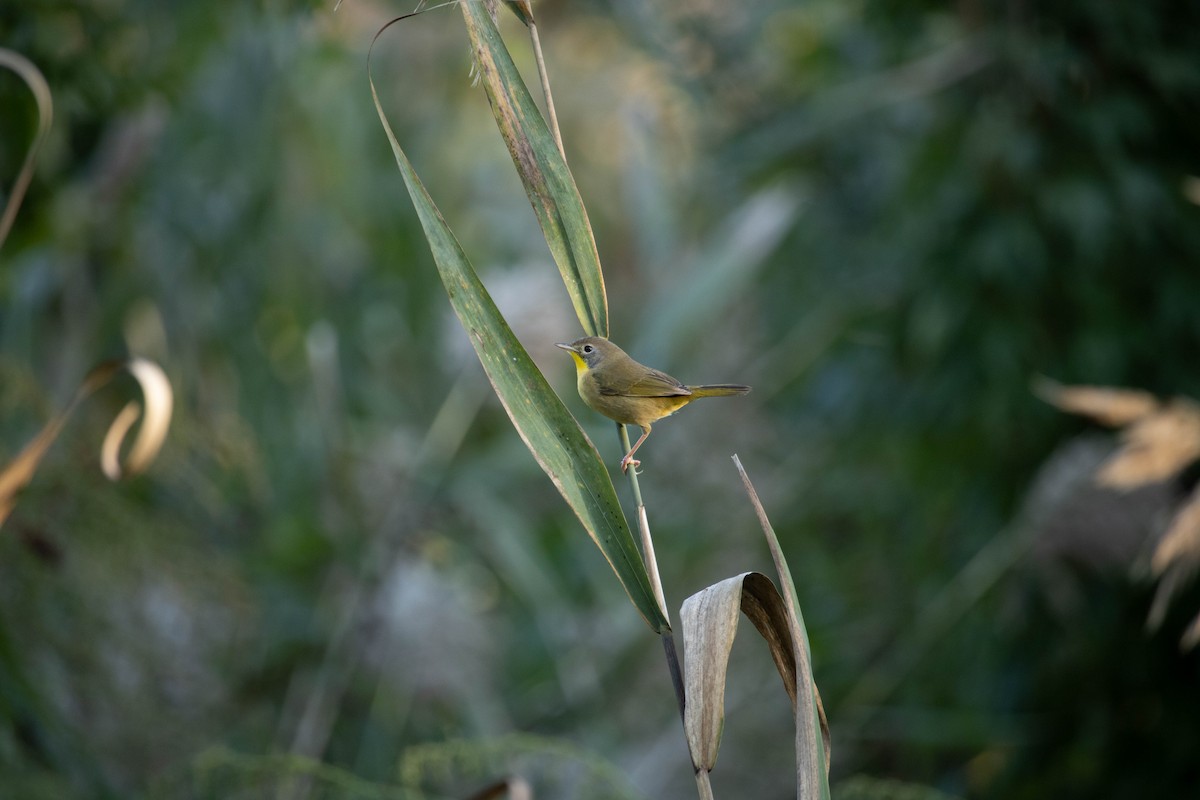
x=545 y=78
x=668 y=640
x=644 y=527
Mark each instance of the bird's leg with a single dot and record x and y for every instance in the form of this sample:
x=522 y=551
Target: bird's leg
x=629 y=459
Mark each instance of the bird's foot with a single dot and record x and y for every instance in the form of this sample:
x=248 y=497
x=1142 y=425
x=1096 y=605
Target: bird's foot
x=628 y=462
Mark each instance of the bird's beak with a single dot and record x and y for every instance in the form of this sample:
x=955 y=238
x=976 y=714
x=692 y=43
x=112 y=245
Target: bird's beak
x=565 y=346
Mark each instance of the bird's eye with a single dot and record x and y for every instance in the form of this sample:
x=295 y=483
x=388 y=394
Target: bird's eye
x=587 y=348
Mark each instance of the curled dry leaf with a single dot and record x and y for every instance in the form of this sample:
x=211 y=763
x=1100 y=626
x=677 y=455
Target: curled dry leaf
x=156 y=389
x=811 y=750
x=1160 y=440
x=1107 y=405
x=710 y=621
x=1155 y=447
x=159 y=405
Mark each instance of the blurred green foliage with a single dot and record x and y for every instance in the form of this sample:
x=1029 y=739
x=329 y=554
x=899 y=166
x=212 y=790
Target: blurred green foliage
x=887 y=217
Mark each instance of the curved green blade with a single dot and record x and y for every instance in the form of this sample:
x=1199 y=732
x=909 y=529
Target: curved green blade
x=550 y=432
x=543 y=170
x=812 y=728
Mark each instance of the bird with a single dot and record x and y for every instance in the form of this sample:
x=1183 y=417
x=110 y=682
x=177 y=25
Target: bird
x=611 y=382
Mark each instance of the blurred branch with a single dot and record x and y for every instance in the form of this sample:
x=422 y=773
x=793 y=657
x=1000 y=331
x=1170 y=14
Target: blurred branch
x=33 y=78
x=545 y=78
x=524 y=11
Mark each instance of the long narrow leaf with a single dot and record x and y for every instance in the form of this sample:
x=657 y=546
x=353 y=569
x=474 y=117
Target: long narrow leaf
x=33 y=78
x=560 y=446
x=547 y=179
x=812 y=728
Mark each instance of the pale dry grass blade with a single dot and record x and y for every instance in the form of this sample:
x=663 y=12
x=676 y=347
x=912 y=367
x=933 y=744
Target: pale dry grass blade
x=812 y=727
x=1107 y=405
x=19 y=472
x=156 y=389
x=1159 y=441
x=710 y=622
x=709 y=619
x=32 y=76
x=156 y=420
x=1175 y=562
x=1182 y=539
x=1155 y=447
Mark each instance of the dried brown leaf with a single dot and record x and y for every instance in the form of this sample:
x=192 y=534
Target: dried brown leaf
x=1160 y=440
x=1107 y=405
x=812 y=726
x=710 y=622
x=1181 y=542
x=159 y=404
x=156 y=389
x=1155 y=447
x=1175 y=561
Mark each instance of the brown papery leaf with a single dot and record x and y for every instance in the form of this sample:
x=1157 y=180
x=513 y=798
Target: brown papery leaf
x=1181 y=542
x=1175 y=561
x=710 y=622
x=811 y=749
x=156 y=389
x=1107 y=405
x=1161 y=440
x=1155 y=448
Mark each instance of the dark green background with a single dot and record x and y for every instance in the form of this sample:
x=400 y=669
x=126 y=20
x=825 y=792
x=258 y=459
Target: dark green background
x=887 y=217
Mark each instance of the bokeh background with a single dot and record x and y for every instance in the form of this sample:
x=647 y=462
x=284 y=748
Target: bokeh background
x=345 y=576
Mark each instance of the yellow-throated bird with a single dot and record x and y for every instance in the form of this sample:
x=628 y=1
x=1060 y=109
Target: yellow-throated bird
x=631 y=393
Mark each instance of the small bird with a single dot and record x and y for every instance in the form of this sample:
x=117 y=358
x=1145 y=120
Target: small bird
x=631 y=393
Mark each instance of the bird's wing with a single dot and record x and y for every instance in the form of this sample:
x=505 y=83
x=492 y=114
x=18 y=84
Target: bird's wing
x=651 y=383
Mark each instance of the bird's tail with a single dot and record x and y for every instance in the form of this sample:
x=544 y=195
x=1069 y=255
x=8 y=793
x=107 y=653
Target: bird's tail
x=718 y=389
